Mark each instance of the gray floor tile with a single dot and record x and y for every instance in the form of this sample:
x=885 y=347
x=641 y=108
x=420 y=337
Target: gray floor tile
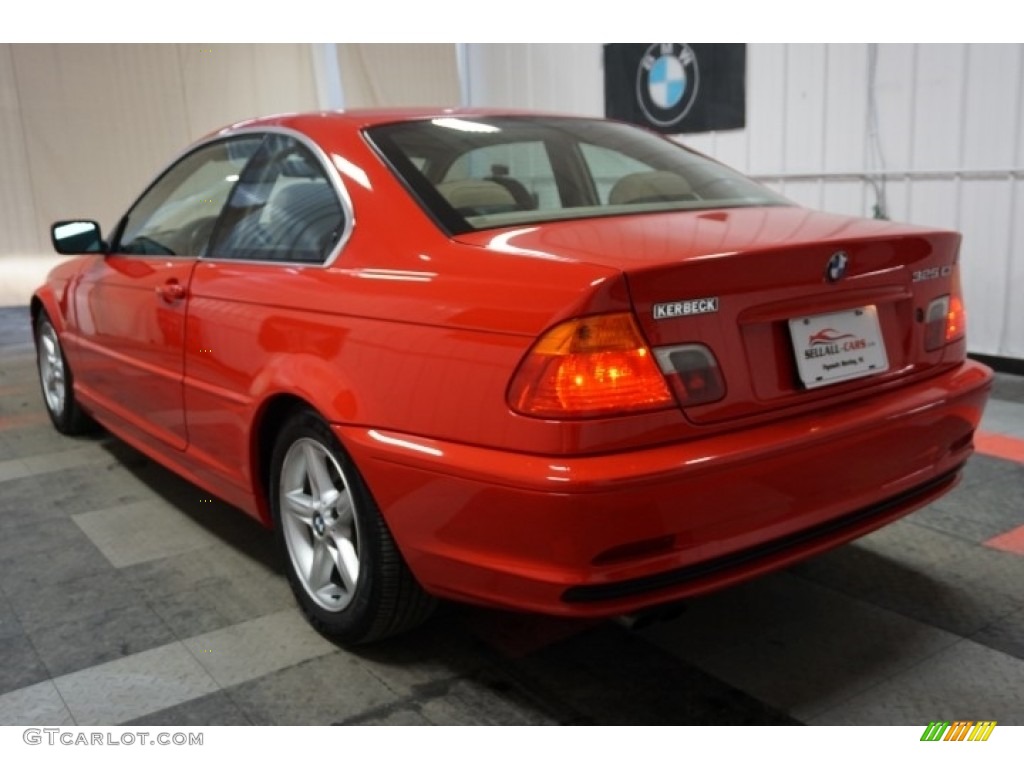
x=956 y=684
x=134 y=686
x=1005 y=634
x=1008 y=387
x=194 y=611
x=51 y=604
x=476 y=702
x=320 y=691
x=212 y=709
x=989 y=513
x=76 y=456
x=1003 y=416
x=925 y=574
x=32 y=537
x=247 y=651
x=9 y=624
x=210 y=588
x=28 y=571
x=212 y=564
x=612 y=676
x=989 y=501
x=143 y=531
x=222 y=602
x=20 y=666
x=443 y=649
x=35 y=439
x=38 y=704
x=403 y=716
x=839 y=647
x=99 y=637
x=719 y=622
x=66 y=492
x=13 y=468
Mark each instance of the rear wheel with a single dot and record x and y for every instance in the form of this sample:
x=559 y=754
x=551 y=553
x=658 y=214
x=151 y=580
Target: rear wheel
x=343 y=565
x=57 y=382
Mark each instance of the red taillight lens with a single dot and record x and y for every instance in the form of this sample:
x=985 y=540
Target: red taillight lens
x=945 y=319
x=593 y=366
x=956 y=319
x=693 y=372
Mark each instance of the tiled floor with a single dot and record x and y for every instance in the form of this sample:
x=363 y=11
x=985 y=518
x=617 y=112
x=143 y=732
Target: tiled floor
x=128 y=597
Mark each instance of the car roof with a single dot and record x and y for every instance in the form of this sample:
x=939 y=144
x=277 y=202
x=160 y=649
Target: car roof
x=365 y=118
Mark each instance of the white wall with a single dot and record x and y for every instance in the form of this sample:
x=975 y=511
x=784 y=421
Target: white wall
x=950 y=130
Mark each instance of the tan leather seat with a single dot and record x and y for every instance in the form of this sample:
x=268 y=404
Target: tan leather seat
x=650 y=187
x=477 y=195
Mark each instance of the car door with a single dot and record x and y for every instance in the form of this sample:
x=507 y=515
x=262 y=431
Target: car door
x=251 y=299
x=131 y=305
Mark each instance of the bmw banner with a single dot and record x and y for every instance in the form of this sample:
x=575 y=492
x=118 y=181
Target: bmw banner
x=677 y=87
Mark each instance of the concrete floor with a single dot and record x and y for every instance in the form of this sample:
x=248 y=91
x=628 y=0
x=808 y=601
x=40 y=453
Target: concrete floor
x=127 y=596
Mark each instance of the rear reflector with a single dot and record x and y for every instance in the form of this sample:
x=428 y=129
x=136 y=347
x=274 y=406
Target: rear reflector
x=693 y=372
x=935 y=323
x=593 y=366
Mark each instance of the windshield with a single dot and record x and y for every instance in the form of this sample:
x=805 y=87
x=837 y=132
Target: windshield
x=475 y=173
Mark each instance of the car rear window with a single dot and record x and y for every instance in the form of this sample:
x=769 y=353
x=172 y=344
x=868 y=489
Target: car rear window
x=475 y=172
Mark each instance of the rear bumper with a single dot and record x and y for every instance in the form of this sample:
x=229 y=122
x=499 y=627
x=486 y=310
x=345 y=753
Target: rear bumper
x=604 y=535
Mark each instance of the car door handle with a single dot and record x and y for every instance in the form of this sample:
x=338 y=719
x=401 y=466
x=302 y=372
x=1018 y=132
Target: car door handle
x=171 y=291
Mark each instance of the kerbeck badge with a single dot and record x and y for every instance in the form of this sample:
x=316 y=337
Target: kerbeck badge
x=666 y=82
x=672 y=309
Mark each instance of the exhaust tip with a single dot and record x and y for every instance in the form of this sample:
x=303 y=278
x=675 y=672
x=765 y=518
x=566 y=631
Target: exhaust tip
x=650 y=616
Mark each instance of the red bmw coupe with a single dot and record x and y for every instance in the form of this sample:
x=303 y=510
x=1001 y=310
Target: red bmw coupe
x=544 y=363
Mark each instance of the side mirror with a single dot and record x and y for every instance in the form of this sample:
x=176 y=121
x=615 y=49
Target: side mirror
x=74 y=237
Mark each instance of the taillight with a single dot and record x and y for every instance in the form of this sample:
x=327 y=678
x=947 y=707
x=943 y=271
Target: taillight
x=956 y=319
x=693 y=372
x=945 y=319
x=592 y=366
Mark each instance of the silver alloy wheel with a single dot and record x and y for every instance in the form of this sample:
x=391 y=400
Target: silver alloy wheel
x=319 y=524
x=51 y=369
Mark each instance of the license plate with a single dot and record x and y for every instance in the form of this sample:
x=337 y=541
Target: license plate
x=838 y=346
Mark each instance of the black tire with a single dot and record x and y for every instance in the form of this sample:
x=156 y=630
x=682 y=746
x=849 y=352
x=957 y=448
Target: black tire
x=329 y=527
x=57 y=382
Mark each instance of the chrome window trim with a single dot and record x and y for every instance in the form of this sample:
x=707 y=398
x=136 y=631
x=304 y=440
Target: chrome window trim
x=331 y=172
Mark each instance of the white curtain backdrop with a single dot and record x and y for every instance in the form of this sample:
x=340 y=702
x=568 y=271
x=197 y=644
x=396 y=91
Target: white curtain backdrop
x=84 y=127
x=399 y=75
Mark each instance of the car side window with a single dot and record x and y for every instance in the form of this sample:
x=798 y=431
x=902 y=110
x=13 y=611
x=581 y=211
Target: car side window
x=176 y=215
x=283 y=209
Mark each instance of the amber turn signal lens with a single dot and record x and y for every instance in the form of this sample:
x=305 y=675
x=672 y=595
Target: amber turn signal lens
x=593 y=366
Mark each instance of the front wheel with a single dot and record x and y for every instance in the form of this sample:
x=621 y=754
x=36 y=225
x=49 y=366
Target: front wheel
x=343 y=565
x=57 y=382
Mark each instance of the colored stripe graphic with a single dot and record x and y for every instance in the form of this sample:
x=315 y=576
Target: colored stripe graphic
x=960 y=730
x=934 y=731
x=982 y=730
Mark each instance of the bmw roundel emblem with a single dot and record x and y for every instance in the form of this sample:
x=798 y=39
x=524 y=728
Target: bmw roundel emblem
x=666 y=82
x=836 y=266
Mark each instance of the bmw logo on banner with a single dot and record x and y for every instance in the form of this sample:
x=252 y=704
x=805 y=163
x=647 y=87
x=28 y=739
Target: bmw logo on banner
x=676 y=87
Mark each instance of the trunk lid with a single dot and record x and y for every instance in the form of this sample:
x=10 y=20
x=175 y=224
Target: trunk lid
x=753 y=285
